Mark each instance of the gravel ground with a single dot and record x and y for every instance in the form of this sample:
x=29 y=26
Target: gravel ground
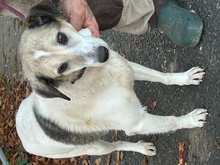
x=154 y=50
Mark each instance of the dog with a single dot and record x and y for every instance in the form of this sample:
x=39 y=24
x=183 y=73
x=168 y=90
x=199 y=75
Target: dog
x=81 y=89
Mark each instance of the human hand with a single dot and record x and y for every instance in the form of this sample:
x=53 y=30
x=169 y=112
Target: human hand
x=80 y=15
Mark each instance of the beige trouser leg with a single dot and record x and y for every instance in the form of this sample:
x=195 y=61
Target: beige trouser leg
x=135 y=16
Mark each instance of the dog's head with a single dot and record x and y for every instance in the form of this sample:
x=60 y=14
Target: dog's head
x=52 y=51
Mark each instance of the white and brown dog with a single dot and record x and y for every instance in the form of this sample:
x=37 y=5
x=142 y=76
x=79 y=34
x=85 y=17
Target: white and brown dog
x=82 y=89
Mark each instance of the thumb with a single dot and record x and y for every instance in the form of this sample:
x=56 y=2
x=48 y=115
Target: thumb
x=76 y=22
x=94 y=28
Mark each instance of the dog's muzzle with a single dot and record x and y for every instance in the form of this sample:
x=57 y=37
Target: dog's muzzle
x=103 y=54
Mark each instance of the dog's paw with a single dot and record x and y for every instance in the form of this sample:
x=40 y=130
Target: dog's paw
x=199 y=117
x=193 y=76
x=196 y=118
x=148 y=149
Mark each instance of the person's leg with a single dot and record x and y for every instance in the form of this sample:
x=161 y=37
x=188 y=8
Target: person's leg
x=135 y=16
x=183 y=27
x=128 y=16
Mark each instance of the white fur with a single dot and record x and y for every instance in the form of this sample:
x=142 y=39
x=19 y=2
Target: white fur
x=102 y=99
x=85 y=32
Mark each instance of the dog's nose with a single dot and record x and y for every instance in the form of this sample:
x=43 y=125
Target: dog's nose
x=102 y=54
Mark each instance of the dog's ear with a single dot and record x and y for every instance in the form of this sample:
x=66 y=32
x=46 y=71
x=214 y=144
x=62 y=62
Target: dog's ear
x=46 y=88
x=43 y=13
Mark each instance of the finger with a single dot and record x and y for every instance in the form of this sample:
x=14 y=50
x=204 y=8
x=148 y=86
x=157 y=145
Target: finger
x=95 y=34
x=77 y=22
x=94 y=28
x=91 y=23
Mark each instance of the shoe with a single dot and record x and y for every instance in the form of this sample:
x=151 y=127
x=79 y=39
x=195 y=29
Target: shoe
x=182 y=26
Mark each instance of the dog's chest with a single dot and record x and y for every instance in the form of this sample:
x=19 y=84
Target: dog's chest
x=98 y=100
x=90 y=110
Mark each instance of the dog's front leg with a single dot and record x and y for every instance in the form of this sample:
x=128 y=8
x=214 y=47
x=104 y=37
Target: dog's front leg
x=150 y=124
x=191 y=77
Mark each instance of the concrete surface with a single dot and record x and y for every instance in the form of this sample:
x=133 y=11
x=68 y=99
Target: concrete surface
x=154 y=50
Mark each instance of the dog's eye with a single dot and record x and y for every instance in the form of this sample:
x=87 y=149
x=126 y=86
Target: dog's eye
x=62 y=38
x=62 y=68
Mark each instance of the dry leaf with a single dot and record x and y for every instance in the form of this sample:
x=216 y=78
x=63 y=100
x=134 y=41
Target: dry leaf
x=115 y=135
x=121 y=155
x=117 y=158
x=217 y=143
x=109 y=159
x=98 y=161
x=183 y=152
x=122 y=54
x=153 y=104
x=144 y=161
